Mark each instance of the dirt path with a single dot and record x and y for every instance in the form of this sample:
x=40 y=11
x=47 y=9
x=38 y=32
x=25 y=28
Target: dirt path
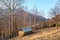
x=42 y=33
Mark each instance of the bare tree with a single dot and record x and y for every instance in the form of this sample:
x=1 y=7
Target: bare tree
x=55 y=11
x=35 y=12
x=1 y=32
x=11 y=5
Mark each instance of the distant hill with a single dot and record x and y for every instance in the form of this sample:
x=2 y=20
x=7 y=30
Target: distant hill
x=21 y=17
x=29 y=17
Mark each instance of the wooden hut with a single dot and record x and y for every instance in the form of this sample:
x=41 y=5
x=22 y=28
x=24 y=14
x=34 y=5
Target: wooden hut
x=24 y=32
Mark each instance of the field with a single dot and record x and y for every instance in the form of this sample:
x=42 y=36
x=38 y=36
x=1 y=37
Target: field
x=43 y=34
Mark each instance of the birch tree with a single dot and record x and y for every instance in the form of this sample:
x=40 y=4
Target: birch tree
x=11 y=5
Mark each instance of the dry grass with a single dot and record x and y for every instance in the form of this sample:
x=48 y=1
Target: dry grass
x=43 y=34
x=55 y=36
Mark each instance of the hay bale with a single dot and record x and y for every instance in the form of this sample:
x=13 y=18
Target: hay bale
x=21 y=33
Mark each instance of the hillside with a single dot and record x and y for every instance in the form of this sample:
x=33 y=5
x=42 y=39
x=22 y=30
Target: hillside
x=48 y=23
x=43 y=34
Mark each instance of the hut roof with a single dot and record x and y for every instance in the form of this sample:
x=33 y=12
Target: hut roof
x=26 y=29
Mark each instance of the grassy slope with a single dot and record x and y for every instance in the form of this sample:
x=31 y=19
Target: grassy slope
x=43 y=34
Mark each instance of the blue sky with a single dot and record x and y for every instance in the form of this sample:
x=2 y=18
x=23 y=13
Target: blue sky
x=41 y=5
